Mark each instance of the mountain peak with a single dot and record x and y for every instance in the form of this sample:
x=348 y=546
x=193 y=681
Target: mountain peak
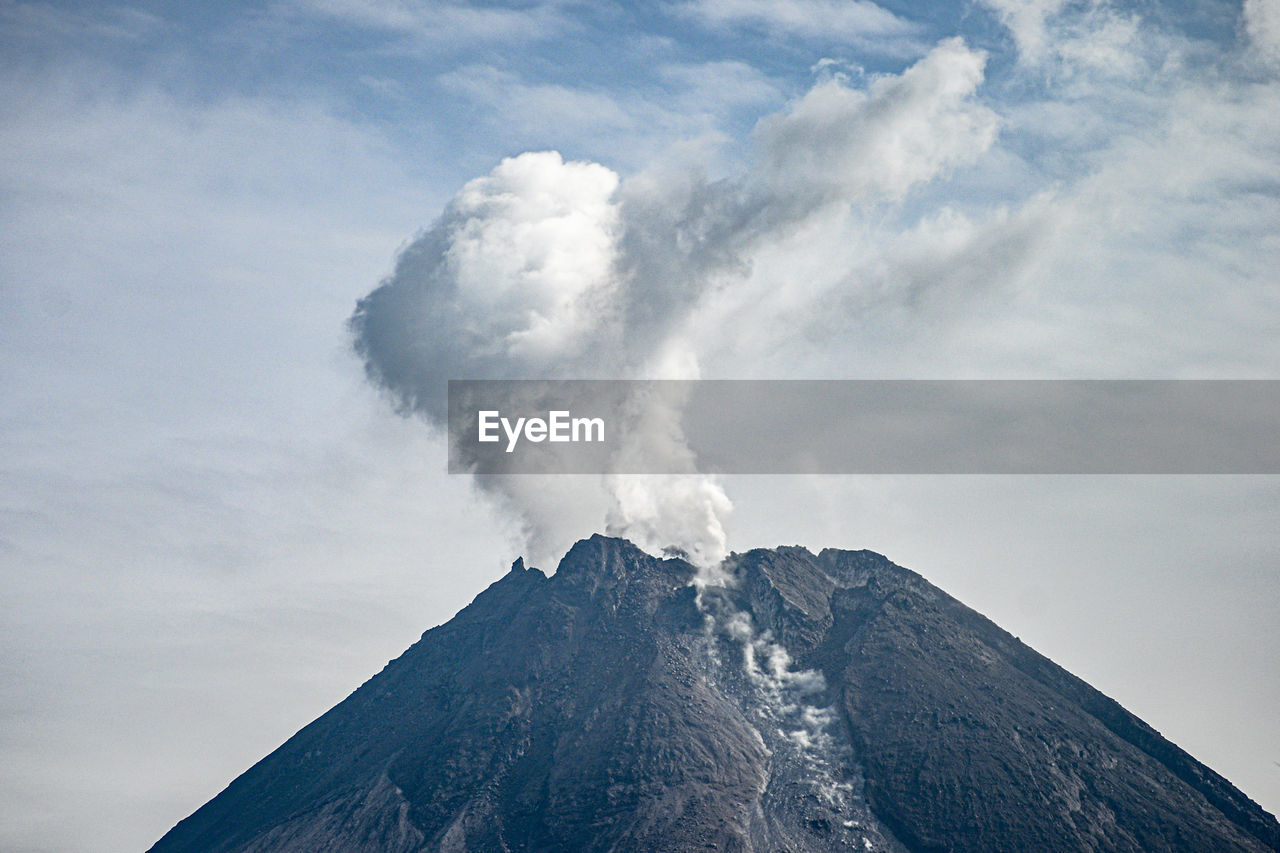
x=819 y=702
x=606 y=564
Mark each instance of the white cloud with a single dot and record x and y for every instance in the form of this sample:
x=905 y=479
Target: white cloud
x=530 y=108
x=627 y=128
x=852 y=20
x=532 y=248
x=716 y=88
x=877 y=144
x=1056 y=35
x=437 y=23
x=1262 y=23
x=545 y=268
x=538 y=265
x=1027 y=22
x=520 y=277
x=194 y=480
x=1154 y=255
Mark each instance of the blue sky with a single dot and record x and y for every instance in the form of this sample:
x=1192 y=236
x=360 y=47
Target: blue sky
x=212 y=527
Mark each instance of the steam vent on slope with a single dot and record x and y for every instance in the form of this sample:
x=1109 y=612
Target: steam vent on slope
x=807 y=702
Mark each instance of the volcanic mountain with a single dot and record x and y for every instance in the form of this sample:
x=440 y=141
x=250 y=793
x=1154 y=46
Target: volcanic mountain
x=793 y=702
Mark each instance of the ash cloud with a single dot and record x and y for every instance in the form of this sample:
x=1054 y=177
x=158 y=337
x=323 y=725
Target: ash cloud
x=547 y=268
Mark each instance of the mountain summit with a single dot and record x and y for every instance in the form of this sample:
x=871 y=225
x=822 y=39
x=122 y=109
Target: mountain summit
x=800 y=702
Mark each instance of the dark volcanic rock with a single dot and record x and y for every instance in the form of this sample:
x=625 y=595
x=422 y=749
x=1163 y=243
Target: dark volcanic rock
x=828 y=702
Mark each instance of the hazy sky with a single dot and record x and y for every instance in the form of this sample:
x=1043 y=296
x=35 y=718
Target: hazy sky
x=212 y=528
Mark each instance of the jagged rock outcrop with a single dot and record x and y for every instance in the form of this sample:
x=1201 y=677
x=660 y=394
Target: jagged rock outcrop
x=814 y=702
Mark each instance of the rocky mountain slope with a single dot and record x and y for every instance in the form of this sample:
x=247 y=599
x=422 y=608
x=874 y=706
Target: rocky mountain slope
x=800 y=702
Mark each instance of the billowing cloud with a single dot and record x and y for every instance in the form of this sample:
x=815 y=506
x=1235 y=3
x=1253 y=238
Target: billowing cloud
x=516 y=279
x=876 y=144
x=545 y=268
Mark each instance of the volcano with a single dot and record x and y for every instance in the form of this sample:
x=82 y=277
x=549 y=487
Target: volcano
x=794 y=702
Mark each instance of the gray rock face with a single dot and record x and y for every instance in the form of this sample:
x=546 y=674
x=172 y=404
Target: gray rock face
x=810 y=703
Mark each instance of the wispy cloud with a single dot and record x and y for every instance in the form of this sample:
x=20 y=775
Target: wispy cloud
x=1262 y=23
x=626 y=127
x=37 y=20
x=519 y=103
x=435 y=23
x=859 y=21
x=716 y=87
x=222 y=235
x=1064 y=39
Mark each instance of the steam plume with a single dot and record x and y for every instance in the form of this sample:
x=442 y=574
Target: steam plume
x=551 y=269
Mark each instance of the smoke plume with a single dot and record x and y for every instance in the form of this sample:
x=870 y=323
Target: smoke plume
x=547 y=269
